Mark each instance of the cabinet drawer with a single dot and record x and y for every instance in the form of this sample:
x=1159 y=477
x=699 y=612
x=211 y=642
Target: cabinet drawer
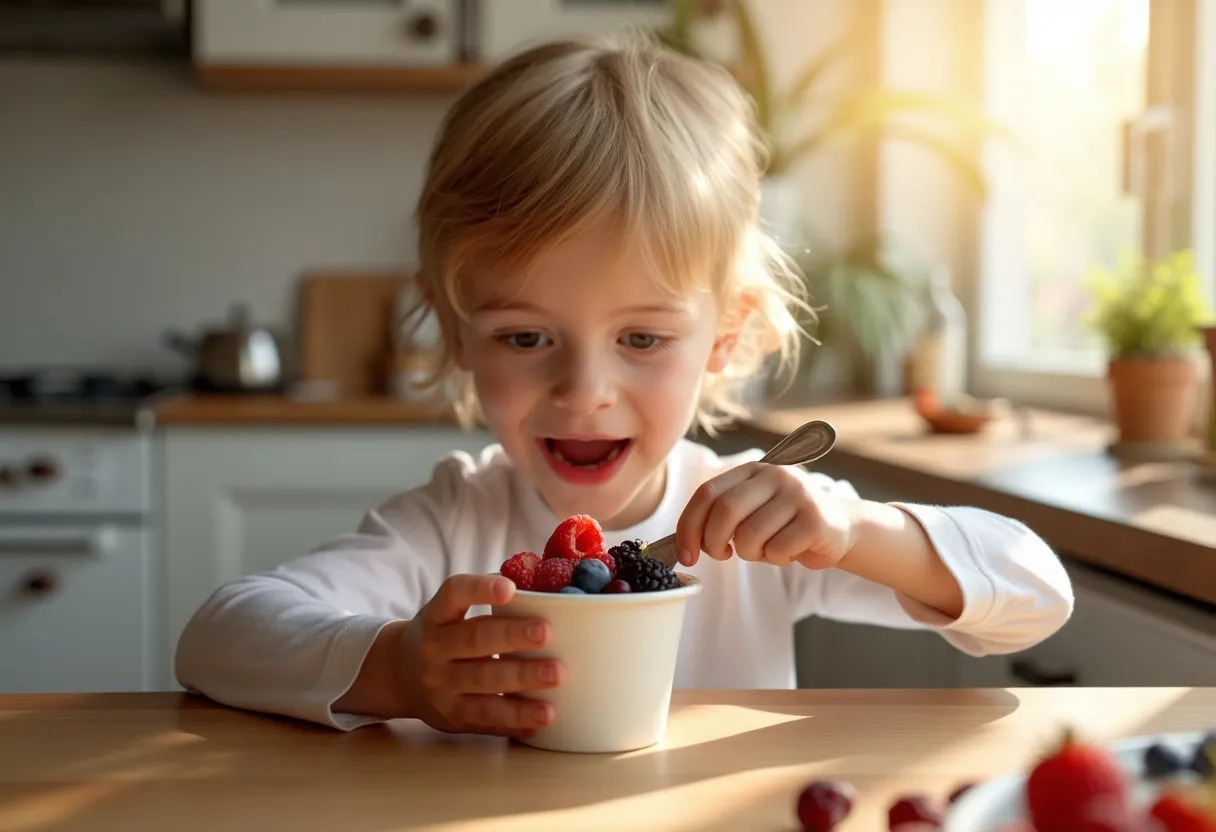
x=1119 y=635
x=301 y=32
x=74 y=609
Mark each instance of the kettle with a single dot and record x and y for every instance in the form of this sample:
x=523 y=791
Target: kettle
x=236 y=358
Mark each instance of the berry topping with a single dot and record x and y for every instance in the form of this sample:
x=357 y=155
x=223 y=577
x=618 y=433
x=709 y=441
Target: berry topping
x=647 y=575
x=590 y=575
x=575 y=537
x=552 y=575
x=616 y=587
x=606 y=559
x=521 y=569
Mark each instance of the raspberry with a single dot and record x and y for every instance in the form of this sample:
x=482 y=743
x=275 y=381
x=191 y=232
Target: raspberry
x=616 y=587
x=607 y=559
x=575 y=537
x=1062 y=786
x=825 y=803
x=553 y=575
x=521 y=569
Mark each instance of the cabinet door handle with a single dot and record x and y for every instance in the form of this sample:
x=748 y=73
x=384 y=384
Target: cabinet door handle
x=41 y=583
x=1027 y=671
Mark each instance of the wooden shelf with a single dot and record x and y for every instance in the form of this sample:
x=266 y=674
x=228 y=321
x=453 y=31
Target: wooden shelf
x=267 y=78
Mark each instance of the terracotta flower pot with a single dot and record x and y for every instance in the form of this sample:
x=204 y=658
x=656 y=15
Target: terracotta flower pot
x=1154 y=398
x=1209 y=339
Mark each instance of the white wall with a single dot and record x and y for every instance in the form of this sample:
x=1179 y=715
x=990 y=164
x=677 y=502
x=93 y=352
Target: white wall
x=131 y=201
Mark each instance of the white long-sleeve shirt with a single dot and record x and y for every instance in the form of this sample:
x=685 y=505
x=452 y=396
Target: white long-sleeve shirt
x=291 y=641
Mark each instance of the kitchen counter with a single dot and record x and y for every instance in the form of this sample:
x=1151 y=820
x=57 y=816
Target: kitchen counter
x=202 y=410
x=732 y=760
x=1152 y=521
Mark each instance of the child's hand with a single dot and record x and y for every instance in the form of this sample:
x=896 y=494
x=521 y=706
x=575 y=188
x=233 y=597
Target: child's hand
x=455 y=682
x=770 y=515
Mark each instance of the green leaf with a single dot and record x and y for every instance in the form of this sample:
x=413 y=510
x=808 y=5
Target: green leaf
x=679 y=36
x=1143 y=308
x=962 y=162
x=877 y=112
x=821 y=63
x=881 y=105
x=755 y=71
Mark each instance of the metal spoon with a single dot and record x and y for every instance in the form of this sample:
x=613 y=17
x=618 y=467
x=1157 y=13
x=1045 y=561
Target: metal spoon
x=803 y=444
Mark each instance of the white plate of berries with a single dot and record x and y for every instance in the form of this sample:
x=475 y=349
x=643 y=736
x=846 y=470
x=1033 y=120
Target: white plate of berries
x=1159 y=783
x=1155 y=783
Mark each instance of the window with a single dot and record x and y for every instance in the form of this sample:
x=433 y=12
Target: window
x=1112 y=102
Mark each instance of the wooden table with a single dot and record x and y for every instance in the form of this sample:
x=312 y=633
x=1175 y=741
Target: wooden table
x=733 y=760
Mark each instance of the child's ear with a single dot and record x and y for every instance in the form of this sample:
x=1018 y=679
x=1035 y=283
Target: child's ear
x=728 y=333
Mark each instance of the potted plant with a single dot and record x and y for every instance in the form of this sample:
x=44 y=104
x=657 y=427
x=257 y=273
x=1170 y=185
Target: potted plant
x=1147 y=314
x=866 y=296
x=943 y=126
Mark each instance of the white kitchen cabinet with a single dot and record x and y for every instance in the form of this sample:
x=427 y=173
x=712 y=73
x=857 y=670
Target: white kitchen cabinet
x=76 y=608
x=1120 y=634
x=238 y=501
x=387 y=33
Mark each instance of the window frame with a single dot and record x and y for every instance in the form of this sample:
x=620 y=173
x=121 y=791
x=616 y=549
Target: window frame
x=1185 y=80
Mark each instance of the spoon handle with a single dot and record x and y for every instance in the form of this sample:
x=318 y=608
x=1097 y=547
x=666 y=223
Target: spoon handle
x=805 y=443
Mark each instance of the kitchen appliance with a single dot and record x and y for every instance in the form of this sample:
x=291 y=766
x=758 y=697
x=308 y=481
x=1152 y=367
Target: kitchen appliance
x=239 y=357
x=77 y=541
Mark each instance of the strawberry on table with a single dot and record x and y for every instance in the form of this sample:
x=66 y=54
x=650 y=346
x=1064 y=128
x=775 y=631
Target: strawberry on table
x=1062 y=786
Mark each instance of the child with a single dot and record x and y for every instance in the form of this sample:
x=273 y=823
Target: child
x=589 y=246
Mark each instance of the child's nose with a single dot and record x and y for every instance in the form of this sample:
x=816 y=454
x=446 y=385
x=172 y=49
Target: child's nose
x=584 y=383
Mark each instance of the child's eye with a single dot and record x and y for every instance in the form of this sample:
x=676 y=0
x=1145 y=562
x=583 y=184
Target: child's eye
x=526 y=340
x=644 y=341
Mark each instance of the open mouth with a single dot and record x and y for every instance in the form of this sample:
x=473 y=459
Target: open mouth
x=586 y=454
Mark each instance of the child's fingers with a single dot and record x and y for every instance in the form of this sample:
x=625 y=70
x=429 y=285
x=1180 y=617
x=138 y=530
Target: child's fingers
x=487 y=635
x=732 y=509
x=691 y=525
x=754 y=536
x=459 y=592
x=504 y=675
x=793 y=540
x=501 y=714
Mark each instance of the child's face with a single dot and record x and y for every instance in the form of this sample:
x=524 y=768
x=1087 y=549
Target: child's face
x=589 y=374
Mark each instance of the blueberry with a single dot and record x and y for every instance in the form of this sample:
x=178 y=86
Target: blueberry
x=570 y=590
x=590 y=575
x=1205 y=755
x=1162 y=761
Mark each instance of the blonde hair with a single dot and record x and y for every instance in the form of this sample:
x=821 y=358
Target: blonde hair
x=570 y=135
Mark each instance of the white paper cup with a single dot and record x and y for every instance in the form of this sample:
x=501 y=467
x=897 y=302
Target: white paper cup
x=619 y=652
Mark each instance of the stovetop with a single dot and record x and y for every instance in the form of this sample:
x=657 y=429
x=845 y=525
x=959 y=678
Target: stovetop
x=84 y=396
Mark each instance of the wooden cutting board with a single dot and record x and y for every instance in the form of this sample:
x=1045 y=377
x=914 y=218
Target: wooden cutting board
x=345 y=329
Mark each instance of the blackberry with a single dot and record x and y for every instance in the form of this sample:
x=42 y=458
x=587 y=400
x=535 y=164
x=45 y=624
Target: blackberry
x=629 y=551
x=645 y=574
